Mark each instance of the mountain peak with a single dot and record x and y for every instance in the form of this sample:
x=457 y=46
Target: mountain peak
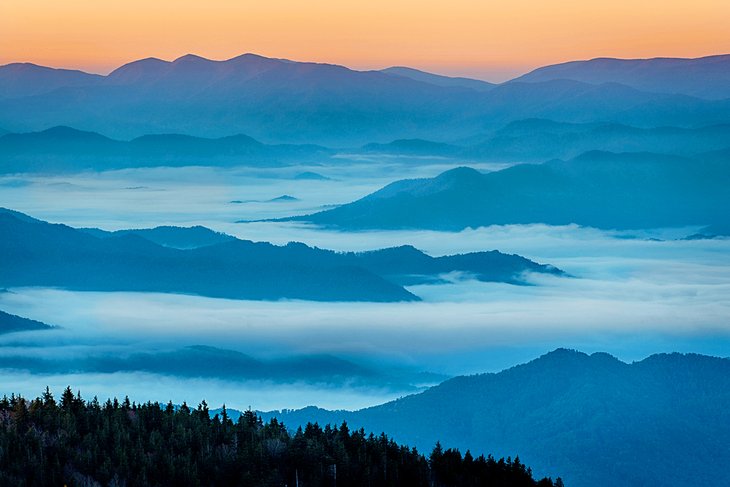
x=253 y=56
x=566 y=357
x=706 y=77
x=65 y=130
x=461 y=174
x=136 y=70
x=438 y=79
x=191 y=58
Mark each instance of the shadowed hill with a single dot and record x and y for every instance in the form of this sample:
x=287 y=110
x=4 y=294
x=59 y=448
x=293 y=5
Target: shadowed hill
x=707 y=77
x=222 y=364
x=152 y=444
x=276 y=100
x=439 y=80
x=27 y=79
x=598 y=189
x=540 y=140
x=64 y=149
x=661 y=421
x=170 y=236
x=37 y=253
x=10 y=323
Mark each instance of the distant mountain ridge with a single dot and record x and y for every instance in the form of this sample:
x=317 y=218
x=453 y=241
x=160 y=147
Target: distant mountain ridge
x=28 y=79
x=65 y=149
x=169 y=236
x=539 y=140
x=705 y=77
x=276 y=100
x=199 y=361
x=439 y=80
x=597 y=189
x=660 y=421
x=198 y=261
x=10 y=323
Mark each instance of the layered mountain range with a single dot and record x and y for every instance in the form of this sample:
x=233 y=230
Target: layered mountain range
x=198 y=261
x=598 y=189
x=282 y=101
x=661 y=421
x=67 y=150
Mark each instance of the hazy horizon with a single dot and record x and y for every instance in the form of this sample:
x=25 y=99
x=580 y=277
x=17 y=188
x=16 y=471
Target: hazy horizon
x=491 y=41
x=632 y=293
x=492 y=75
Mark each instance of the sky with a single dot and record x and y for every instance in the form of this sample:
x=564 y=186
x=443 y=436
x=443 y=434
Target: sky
x=478 y=38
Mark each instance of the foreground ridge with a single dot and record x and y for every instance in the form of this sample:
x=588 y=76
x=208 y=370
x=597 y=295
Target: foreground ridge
x=76 y=442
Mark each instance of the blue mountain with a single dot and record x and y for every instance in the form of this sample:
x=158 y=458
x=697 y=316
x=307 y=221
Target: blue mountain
x=207 y=362
x=277 y=100
x=705 y=77
x=65 y=149
x=598 y=189
x=10 y=323
x=439 y=80
x=660 y=421
x=197 y=261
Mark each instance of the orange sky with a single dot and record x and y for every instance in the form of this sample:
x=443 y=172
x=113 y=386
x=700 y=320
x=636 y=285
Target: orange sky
x=481 y=38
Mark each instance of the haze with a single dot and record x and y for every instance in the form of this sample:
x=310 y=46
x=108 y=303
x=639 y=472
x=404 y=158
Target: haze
x=489 y=40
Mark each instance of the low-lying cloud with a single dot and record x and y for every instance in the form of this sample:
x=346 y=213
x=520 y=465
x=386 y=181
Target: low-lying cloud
x=630 y=294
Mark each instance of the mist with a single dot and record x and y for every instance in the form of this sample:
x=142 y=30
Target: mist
x=628 y=293
x=650 y=297
x=186 y=196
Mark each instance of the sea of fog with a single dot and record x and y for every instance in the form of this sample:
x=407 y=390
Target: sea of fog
x=630 y=293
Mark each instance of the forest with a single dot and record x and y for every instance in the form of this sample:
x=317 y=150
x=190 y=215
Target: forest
x=75 y=442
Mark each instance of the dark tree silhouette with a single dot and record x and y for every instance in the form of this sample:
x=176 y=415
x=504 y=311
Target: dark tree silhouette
x=78 y=443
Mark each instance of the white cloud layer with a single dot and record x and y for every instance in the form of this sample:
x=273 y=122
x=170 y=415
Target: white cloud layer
x=631 y=296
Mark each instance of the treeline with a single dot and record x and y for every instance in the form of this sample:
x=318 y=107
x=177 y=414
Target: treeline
x=78 y=443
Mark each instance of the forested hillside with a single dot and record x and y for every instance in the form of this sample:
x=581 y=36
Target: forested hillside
x=79 y=443
x=663 y=420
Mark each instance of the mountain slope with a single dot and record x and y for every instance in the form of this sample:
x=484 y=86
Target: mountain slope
x=41 y=254
x=540 y=140
x=169 y=236
x=661 y=421
x=414 y=147
x=439 y=80
x=706 y=77
x=276 y=100
x=271 y=99
x=599 y=189
x=27 y=79
x=64 y=149
x=214 y=363
x=37 y=253
x=120 y=442
x=10 y=323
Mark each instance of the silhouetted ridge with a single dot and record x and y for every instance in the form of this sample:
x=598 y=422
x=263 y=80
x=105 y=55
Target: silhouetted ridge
x=28 y=79
x=598 y=189
x=294 y=102
x=10 y=323
x=199 y=261
x=65 y=149
x=40 y=254
x=439 y=80
x=659 y=421
x=120 y=442
x=704 y=77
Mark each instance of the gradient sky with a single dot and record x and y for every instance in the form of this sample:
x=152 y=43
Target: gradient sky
x=480 y=38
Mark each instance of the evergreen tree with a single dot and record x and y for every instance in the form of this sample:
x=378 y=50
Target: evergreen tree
x=76 y=443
